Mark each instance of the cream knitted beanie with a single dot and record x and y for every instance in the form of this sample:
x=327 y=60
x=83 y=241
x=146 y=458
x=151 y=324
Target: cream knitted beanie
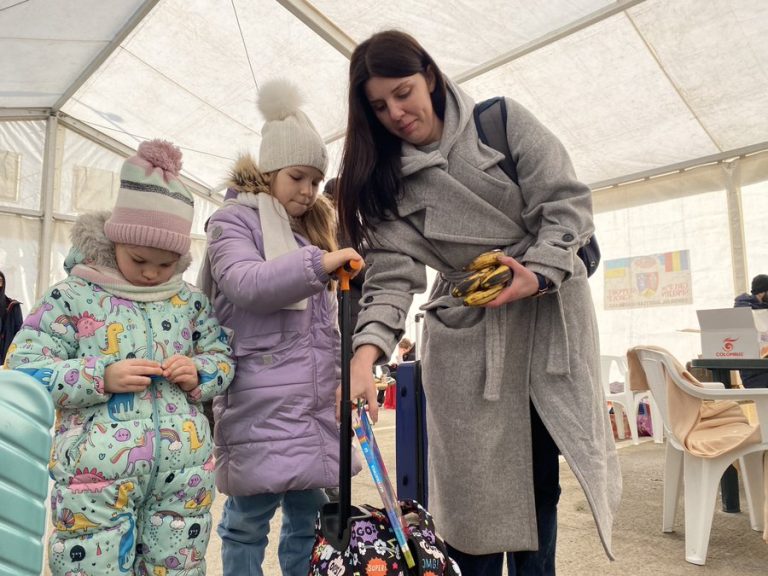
x=288 y=137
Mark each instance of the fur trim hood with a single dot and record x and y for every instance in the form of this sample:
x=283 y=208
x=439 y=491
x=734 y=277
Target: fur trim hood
x=246 y=176
x=90 y=244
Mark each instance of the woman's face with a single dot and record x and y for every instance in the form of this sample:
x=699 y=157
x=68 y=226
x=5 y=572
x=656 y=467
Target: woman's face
x=404 y=107
x=295 y=187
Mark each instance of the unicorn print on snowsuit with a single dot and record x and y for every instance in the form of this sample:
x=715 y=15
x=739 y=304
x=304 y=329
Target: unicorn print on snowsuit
x=128 y=351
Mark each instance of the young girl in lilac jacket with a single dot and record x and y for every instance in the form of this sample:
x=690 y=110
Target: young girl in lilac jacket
x=271 y=251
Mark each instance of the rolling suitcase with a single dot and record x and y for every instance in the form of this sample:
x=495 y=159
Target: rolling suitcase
x=26 y=417
x=411 y=435
x=360 y=539
x=411 y=427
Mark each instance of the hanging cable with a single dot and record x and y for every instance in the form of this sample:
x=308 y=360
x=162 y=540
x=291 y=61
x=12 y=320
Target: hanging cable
x=13 y=5
x=245 y=47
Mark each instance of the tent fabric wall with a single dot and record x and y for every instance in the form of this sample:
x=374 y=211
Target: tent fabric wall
x=24 y=139
x=684 y=210
x=20 y=256
x=693 y=222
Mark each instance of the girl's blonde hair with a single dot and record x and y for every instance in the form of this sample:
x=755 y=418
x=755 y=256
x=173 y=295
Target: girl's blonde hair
x=318 y=224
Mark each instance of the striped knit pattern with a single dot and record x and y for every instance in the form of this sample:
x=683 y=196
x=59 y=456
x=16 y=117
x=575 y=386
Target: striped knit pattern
x=153 y=206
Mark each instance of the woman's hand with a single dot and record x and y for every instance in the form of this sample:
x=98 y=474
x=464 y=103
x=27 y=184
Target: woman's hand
x=361 y=380
x=181 y=370
x=524 y=283
x=332 y=261
x=130 y=376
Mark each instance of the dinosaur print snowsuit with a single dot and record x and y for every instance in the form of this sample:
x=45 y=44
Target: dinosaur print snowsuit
x=133 y=472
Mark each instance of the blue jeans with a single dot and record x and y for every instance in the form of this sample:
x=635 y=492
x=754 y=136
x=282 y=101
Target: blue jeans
x=546 y=490
x=244 y=528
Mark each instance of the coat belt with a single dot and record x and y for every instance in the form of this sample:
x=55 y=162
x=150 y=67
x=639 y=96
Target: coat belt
x=550 y=320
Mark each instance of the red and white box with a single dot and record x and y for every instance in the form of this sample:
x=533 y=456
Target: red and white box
x=733 y=333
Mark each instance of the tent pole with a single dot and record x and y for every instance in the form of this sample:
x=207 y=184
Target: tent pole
x=680 y=166
x=50 y=165
x=107 y=51
x=320 y=25
x=124 y=150
x=607 y=11
x=732 y=176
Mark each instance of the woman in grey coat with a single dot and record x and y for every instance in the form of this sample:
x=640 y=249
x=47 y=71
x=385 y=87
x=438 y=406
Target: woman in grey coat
x=511 y=384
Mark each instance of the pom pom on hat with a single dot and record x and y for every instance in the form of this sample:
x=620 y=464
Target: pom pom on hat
x=153 y=206
x=162 y=154
x=288 y=137
x=279 y=99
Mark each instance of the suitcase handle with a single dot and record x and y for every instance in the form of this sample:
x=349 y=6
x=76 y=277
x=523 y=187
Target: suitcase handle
x=336 y=527
x=344 y=273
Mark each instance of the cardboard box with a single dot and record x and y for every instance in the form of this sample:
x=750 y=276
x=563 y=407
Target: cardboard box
x=733 y=333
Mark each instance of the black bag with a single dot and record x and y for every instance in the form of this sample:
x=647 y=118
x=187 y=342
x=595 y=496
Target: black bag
x=373 y=549
x=491 y=122
x=353 y=540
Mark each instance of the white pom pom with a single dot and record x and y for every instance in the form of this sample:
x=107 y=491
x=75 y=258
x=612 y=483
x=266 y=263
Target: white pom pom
x=279 y=99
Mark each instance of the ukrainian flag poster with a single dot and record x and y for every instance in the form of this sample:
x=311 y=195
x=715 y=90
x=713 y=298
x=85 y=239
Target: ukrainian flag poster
x=651 y=280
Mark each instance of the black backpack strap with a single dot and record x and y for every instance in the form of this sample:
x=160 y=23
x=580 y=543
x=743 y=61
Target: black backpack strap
x=491 y=122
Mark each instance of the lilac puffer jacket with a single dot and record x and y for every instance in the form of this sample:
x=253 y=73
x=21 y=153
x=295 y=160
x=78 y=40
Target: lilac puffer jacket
x=275 y=426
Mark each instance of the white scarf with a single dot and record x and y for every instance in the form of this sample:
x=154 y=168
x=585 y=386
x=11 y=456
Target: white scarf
x=276 y=233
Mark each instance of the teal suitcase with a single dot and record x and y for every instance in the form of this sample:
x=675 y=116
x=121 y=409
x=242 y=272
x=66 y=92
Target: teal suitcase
x=26 y=418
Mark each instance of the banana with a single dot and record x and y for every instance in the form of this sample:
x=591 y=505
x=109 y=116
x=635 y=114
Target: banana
x=480 y=297
x=502 y=274
x=485 y=260
x=470 y=283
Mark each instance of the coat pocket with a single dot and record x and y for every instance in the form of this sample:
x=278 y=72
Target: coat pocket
x=453 y=356
x=454 y=317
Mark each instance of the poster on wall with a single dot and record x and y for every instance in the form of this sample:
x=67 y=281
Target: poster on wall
x=652 y=280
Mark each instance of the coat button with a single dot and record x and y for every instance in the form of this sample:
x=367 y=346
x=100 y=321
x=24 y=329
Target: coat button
x=367 y=299
x=567 y=237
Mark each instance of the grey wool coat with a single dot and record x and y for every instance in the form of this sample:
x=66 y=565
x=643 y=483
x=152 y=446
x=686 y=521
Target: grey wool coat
x=481 y=367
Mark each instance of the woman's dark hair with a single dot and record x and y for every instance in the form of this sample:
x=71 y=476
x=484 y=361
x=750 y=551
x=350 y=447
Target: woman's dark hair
x=3 y=298
x=370 y=167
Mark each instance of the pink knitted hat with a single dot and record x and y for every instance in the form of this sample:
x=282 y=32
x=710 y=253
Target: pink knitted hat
x=153 y=207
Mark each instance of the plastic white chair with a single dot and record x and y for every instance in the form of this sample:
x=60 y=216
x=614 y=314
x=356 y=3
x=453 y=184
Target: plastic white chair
x=701 y=476
x=627 y=400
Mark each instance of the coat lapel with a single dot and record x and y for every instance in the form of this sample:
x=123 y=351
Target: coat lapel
x=473 y=206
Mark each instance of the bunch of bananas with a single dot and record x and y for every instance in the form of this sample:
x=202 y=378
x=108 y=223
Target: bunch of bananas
x=486 y=279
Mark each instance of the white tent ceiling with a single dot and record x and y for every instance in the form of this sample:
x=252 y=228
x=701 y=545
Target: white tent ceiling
x=631 y=87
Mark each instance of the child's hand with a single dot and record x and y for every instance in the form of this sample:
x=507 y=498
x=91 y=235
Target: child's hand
x=181 y=370
x=131 y=375
x=334 y=260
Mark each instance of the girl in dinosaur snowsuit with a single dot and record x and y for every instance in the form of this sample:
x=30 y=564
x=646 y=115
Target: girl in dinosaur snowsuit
x=128 y=351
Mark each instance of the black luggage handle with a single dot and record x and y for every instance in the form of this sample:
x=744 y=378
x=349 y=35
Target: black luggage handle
x=335 y=519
